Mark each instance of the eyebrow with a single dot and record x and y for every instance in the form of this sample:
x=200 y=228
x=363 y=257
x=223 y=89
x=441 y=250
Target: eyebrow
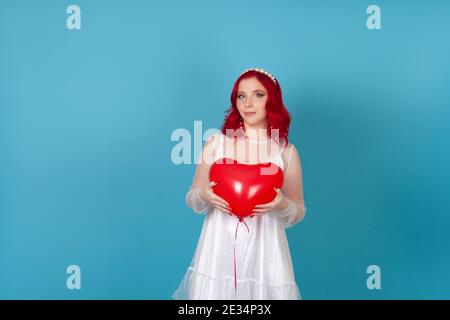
x=252 y=91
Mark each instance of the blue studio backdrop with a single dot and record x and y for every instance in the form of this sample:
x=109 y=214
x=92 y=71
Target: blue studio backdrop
x=89 y=103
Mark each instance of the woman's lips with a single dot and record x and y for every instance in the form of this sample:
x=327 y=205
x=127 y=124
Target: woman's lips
x=249 y=114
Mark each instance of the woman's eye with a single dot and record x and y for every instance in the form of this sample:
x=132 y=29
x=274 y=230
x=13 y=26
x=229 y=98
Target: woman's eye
x=260 y=95
x=239 y=96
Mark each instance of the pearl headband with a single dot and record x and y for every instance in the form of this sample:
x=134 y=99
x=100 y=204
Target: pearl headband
x=260 y=70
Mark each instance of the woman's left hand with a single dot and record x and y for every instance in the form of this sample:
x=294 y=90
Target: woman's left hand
x=275 y=204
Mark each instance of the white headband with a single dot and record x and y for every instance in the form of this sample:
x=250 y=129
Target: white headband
x=260 y=70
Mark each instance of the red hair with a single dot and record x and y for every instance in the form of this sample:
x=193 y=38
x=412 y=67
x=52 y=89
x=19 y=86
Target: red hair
x=277 y=115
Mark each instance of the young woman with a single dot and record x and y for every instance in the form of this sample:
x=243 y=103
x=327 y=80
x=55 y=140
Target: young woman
x=259 y=254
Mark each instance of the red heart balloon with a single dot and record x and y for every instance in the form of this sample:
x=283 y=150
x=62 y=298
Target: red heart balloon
x=243 y=185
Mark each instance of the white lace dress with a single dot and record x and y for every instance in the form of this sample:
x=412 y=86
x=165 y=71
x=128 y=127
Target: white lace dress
x=261 y=256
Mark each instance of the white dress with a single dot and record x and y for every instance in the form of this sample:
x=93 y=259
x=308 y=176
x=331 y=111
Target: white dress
x=264 y=269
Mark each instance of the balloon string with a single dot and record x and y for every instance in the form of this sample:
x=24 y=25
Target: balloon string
x=234 y=250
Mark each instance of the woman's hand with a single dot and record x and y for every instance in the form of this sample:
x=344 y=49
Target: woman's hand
x=207 y=194
x=277 y=204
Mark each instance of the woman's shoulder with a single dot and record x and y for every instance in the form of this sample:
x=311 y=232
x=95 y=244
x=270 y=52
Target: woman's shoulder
x=212 y=143
x=289 y=151
x=287 y=146
x=210 y=147
x=214 y=138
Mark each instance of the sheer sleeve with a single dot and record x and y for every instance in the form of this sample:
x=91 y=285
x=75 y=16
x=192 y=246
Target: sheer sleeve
x=201 y=177
x=292 y=189
x=194 y=201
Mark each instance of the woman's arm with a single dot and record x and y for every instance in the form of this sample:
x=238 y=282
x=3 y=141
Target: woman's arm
x=292 y=189
x=201 y=177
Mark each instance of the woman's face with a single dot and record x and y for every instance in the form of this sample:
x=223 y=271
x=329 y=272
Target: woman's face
x=251 y=102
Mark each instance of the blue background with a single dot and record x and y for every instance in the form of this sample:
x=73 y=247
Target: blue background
x=86 y=117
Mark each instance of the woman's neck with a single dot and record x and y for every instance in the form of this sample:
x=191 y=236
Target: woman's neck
x=256 y=134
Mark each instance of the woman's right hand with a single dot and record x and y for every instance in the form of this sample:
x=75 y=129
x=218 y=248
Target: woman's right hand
x=207 y=194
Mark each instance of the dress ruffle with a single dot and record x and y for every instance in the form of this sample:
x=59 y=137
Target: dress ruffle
x=199 y=286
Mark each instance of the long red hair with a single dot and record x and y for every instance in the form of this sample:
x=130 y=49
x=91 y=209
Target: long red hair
x=277 y=115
